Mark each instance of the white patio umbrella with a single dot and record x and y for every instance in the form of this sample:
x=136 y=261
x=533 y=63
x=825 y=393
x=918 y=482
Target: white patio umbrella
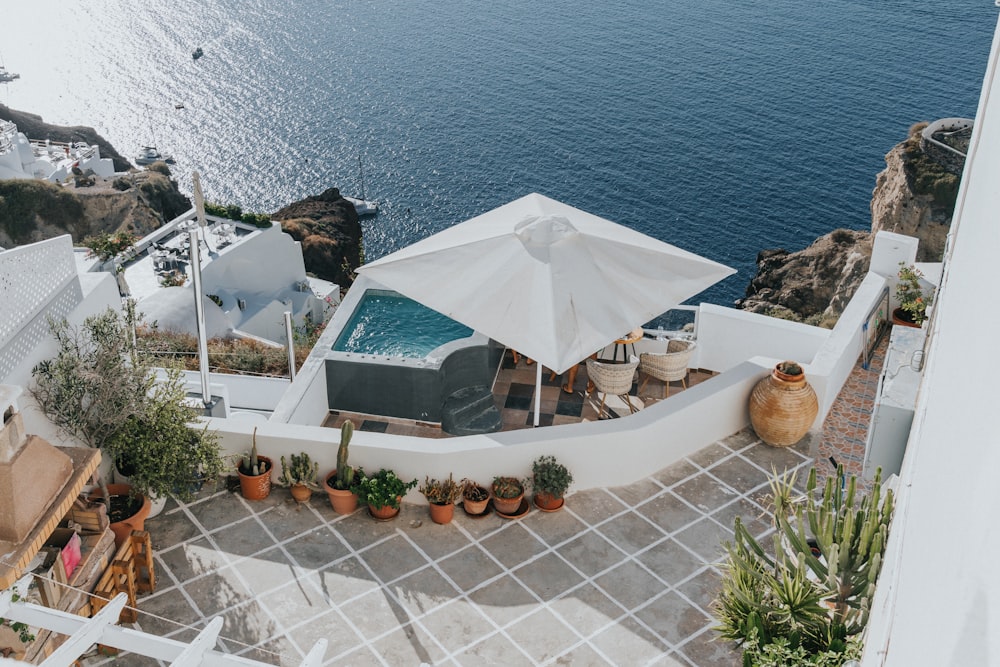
x=551 y=281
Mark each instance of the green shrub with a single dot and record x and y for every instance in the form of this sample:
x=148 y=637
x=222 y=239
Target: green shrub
x=23 y=202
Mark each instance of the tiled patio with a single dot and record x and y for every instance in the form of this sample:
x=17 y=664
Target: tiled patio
x=619 y=576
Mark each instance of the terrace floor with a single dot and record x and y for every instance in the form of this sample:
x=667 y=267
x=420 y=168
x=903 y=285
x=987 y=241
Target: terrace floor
x=620 y=576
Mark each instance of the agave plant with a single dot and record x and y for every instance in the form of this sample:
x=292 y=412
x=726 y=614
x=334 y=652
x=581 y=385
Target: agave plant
x=813 y=593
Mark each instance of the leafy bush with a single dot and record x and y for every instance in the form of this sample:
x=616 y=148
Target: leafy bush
x=105 y=246
x=99 y=389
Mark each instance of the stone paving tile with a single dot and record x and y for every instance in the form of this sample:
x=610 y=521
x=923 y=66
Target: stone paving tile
x=671 y=561
x=548 y=576
x=586 y=609
x=217 y=591
x=675 y=473
x=582 y=656
x=495 y=650
x=469 y=568
x=457 y=625
x=596 y=505
x=591 y=553
x=192 y=559
x=629 y=584
x=542 y=635
x=244 y=538
x=629 y=643
x=422 y=591
x=705 y=492
x=513 y=545
x=219 y=510
x=630 y=532
x=170 y=529
x=392 y=558
x=669 y=512
x=705 y=538
x=672 y=617
x=409 y=645
x=504 y=600
x=315 y=549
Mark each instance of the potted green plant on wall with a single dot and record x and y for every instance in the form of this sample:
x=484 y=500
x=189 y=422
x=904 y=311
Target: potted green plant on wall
x=341 y=484
x=508 y=493
x=550 y=480
x=299 y=475
x=441 y=495
x=383 y=492
x=913 y=302
x=255 y=472
x=475 y=497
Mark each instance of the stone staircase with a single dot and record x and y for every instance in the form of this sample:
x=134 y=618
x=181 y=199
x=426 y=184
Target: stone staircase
x=470 y=411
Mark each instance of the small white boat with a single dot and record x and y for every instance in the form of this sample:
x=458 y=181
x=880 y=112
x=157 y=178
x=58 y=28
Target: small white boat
x=150 y=154
x=364 y=208
x=362 y=205
x=7 y=76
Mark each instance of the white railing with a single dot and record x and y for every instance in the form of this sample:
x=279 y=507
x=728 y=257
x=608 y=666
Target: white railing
x=82 y=633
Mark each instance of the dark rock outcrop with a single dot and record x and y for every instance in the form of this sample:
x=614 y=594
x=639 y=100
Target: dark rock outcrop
x=810 y=284
x=327 y=227
x=33 y=127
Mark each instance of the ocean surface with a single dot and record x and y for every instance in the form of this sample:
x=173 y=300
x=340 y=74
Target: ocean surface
x=721 y=127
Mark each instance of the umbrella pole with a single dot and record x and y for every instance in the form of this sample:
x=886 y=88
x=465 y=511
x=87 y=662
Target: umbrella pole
x=538 y=390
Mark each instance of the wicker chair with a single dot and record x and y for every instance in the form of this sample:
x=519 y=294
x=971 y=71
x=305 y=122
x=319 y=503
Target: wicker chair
x=670 y=366
x=613 y=379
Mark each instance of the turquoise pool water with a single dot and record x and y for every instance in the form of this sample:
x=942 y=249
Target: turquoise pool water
x=389 y=324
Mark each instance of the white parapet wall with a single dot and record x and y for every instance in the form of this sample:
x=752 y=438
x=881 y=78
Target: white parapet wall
x=742 y=346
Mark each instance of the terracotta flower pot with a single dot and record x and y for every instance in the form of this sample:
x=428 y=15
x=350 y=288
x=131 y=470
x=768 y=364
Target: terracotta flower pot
x=342 y=502
x=507 y=505
x=476 y=507
x=442 y=513
x=782 y=408
x=124 y=527
x=385 y=512
x=256 y=487
x=300 y=492
x=548 y=503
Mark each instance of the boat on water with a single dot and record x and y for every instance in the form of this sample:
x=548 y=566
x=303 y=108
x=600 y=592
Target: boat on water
x=363 y=206
x=150 y=154
x=7 y=76
x=197 y=53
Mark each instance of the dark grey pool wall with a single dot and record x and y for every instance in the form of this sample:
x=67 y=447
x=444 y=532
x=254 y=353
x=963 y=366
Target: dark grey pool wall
x=407 y=389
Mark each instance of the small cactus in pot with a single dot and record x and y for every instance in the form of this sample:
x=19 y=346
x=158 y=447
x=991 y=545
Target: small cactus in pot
x=299 y=475
x=341 y=484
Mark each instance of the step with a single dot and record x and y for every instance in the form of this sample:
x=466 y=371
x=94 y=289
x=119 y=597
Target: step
x=470 y=411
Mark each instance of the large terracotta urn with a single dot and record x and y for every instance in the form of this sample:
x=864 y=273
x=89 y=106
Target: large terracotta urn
x=783 y=406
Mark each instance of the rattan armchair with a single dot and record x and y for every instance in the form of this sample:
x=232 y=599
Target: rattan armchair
x=669 y=366
x=615 y=379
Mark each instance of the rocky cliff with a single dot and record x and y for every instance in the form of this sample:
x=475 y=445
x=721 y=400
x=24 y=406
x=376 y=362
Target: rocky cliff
x=327 y=227
x=914 y=195
x=139 y=202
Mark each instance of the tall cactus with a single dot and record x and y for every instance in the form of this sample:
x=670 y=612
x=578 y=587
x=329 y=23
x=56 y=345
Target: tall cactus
x=815 y=588
x=345 y=473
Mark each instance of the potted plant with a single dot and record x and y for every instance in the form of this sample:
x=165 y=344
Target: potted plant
x=475 y=497
x=441 y=496
x=299 y=476
x=508 y=492
x=127 y=509
x=101 y=389
x=255 y=473
x=340 y=485
x=549 y=479
x=383 y=493
x=913 y=304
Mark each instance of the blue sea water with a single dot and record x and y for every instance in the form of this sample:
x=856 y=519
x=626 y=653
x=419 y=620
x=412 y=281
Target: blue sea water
x=721 y=127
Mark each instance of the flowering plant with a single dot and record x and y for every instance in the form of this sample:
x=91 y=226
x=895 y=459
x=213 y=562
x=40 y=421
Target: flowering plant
x=911 y=294
x=383 y=489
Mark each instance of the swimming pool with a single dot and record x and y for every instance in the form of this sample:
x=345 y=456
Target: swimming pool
x=389 y=324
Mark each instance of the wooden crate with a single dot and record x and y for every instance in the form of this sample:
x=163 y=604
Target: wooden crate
x=131 y=571
x=92 y=519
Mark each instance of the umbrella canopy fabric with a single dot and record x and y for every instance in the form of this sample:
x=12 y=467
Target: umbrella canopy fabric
x=546 y=279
